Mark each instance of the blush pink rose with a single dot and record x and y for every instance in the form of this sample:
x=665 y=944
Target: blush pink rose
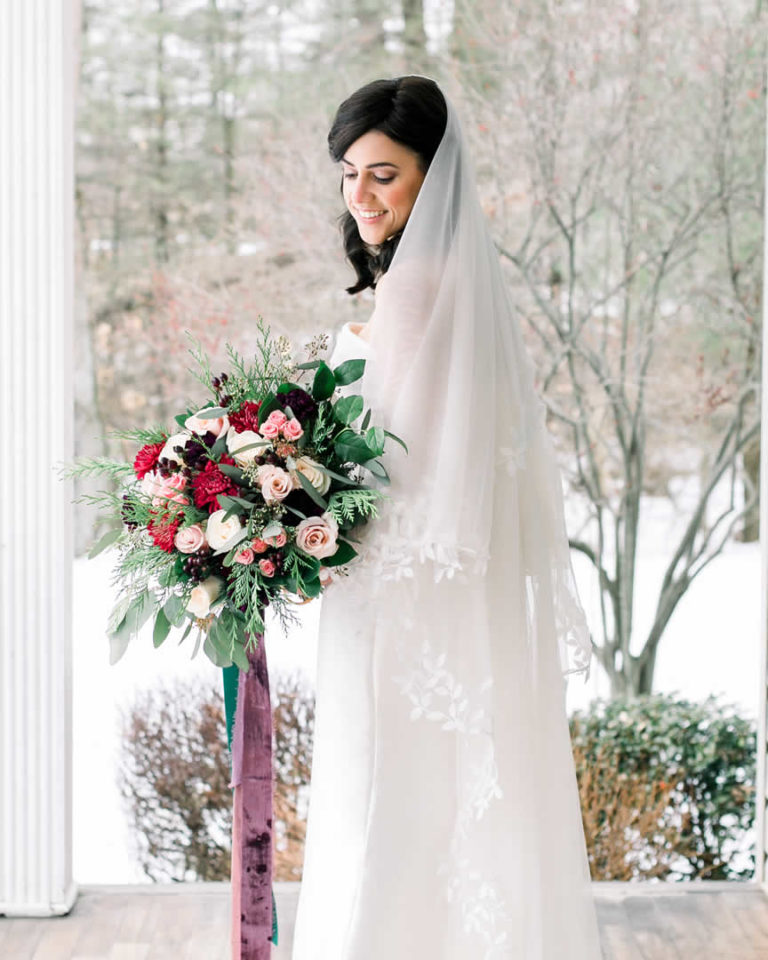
x=259 y=546
x=170 y=488
x=277 y=417
x=292 y=429
x=269 y=430
x=245 y=556
x=189 y=539
x=279 y=539
x=276 y=483
x=317 y=536
x=267 y=567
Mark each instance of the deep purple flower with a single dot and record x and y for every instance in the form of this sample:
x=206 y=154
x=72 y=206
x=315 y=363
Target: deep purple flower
x=299 y=401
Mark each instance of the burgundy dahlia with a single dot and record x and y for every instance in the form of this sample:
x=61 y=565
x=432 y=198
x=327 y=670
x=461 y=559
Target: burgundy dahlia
x=246 y=418
x=163 y=530
x=211 y=483
x=146 y=458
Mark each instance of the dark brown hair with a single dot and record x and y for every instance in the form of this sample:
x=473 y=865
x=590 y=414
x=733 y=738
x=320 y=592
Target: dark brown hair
x=410 y=110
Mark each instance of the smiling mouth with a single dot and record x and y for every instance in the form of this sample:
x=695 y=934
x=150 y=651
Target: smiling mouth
x=368 y=217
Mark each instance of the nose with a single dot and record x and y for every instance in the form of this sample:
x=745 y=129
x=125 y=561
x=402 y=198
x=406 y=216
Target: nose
x=360 y=192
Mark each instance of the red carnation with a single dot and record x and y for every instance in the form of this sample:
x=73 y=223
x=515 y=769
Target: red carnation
x=163 y=530
x=211 y=482
x=146 y=458
x=246 y=418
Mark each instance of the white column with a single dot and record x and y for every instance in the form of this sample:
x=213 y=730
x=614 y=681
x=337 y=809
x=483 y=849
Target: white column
x=37 y=82
x=761 y=840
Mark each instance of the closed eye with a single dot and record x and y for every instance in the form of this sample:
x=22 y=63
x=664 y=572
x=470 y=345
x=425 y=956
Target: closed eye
x=351 y=176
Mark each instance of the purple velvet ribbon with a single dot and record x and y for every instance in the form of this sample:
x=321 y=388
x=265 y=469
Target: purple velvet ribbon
x=252 y=773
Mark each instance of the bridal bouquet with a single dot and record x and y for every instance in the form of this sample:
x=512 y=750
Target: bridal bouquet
x=248 y=502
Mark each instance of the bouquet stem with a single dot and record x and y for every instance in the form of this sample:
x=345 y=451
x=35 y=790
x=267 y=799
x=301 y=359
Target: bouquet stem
x=253 y=929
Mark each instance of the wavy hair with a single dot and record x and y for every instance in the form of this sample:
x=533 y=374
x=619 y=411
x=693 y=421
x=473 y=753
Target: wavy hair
x=410 y=110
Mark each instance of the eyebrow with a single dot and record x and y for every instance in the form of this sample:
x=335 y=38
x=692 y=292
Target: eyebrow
x=370 y=166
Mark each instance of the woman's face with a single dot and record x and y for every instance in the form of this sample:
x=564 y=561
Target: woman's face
x=381 y=181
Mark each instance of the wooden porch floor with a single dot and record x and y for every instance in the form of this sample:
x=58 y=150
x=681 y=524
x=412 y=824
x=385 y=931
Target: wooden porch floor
x=715 y=921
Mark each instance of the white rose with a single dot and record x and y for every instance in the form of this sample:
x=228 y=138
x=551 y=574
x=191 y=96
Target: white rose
x=275 y=482
x=203 y=595
x=222 y=534
x=200 y=424
x=236 y=441
x=177 y=440
x=312 y=471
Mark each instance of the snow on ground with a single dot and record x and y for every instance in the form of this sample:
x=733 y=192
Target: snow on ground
x=711 y=646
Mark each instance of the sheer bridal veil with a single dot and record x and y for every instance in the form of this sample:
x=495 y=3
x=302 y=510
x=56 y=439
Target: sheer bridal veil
x=449 y=373
x=470 y=600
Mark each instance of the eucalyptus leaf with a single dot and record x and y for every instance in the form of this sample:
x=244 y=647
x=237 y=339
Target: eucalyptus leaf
x=374 y=437
x=272 y=529
x=162 y=628
x=234 y=473
x=174 y=609
x=378 y=469
x=319 y=500
x=105 y=541
x=309 y=365
x=211 y=413
x=397 y=439
x=348 y=372
x=324 y=383
x=352 y=448
x=348 y=409
x=219 y=446
x=344 y=553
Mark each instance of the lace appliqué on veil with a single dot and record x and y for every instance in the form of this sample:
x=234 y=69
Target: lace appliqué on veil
x=392 y=547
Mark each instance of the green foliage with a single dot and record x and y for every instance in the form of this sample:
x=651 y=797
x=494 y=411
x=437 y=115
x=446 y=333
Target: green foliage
x=116 y=470
x=349 y=372
x=701 y=754
x=349 y=507
x=324 y=383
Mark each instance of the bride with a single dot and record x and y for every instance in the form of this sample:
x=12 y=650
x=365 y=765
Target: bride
x=444 y=819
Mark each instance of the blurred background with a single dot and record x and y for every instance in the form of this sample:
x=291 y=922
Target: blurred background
x=619 y=149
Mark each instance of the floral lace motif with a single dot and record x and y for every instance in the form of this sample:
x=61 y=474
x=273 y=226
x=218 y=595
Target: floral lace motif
x=438 y=696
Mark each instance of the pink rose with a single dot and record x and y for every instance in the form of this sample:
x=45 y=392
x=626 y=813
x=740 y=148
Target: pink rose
x=245 y=556
x=277 y=417
x=267 y=567
x=279 y=539
x=292 y=429
x=189 y=539
x=269 y=430
x=170 y=488
x=317 y=536
x=276 y=483
x=151 y=483
x=259 y=546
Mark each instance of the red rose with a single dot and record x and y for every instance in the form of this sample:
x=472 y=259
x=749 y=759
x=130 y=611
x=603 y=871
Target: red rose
x=146 y=458
x=210 y=483
x=246 y=418
x=163 y=530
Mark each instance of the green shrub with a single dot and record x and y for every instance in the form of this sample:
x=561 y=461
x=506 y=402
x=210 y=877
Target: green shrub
x=667 y=788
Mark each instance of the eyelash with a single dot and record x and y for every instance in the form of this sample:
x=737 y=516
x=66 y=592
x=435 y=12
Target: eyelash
x=349 y=176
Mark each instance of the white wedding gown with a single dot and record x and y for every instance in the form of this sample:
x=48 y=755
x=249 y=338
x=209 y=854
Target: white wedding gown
x=401 y=863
